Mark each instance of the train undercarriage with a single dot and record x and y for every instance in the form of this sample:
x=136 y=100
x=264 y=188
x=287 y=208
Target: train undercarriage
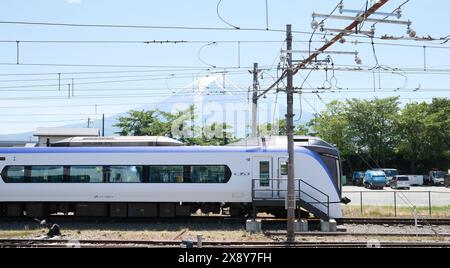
x=133 y=210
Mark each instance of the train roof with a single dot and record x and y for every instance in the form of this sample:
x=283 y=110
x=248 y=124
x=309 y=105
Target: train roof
x=149 y=149
x=282 y=141
x=119 y=141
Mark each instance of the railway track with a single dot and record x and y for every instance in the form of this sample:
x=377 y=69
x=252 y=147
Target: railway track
x=392 y=221
x=54 y=243
x=219 y=219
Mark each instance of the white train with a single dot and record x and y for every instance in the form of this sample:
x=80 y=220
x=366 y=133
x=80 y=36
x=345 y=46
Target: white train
x=169 y=181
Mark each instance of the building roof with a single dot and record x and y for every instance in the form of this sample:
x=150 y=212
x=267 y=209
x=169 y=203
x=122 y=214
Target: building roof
x=13 y=143
x=63 y=132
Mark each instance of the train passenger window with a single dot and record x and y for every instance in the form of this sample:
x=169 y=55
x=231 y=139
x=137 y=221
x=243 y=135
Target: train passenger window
x=126 y=174
x=14 y=174
x=40 y=174
x=86 y=174
x=264 y=173
x=166 y=174
x=283 y=168
x=208 y=174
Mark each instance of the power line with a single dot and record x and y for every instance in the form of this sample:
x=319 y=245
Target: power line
x=100 y=105
x=174 y=75
x=355 y=42
x=156 y=27
x=114 y=65
x=104 y=72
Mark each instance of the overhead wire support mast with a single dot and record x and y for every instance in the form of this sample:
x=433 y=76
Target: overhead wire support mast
x=255 y=100
x=338 y=37
x=290 y=138
x=359 y=19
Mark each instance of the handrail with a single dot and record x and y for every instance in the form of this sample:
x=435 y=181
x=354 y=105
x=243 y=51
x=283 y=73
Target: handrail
x=299 y=190
x=312 y=187
x=327 y=204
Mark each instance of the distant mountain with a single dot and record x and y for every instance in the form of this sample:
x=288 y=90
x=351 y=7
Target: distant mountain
x=216 y=99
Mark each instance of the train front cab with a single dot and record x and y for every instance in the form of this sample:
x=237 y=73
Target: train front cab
x=317 y=186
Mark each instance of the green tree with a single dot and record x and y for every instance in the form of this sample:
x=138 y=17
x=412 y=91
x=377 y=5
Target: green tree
x=178 y=125
x=414 y=139
x=438 y=124
x=332 y=126
x=279 y=129
x=142 y=123
x=372 y=126
x=214 y=134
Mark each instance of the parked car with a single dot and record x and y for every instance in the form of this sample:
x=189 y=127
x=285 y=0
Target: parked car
x=390 y=173
x=358 y=177
x=400 y=182
x=436 y=177
x=374 y=179
x=447 y=180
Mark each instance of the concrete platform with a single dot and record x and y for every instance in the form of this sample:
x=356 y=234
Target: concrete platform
x=253 y=226
x=301 y=226
x=328 y=226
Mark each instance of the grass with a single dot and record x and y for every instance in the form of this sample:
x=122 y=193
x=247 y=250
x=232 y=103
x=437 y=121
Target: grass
x=354 y=211
x=18 y=233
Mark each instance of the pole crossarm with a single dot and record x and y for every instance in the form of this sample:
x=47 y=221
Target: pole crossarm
x=316 y=53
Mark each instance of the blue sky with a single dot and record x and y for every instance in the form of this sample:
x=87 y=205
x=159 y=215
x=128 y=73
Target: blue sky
x=43 y=105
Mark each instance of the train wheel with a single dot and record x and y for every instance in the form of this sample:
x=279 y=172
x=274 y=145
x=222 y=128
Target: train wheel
x=2 y=210
x=236 y=212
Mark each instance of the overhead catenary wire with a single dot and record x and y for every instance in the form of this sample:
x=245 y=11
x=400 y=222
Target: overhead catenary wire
x=156 y=27
x=220 y=17
x=243 y=41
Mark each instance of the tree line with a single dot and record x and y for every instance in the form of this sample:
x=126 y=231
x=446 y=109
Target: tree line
x=368 y=133
x=379 y=133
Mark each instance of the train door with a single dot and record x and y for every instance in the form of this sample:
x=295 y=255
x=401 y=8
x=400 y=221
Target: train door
x=262 y=177
x=281 y=176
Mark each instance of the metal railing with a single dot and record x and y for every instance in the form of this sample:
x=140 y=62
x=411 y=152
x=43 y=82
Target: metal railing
x=327 y=204
x=396 y=199
x=272 y=186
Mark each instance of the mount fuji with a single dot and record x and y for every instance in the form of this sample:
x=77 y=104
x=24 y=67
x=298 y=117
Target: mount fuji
x=216 y=99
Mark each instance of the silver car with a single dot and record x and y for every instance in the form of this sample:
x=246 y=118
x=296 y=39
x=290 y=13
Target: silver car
x=400 y=182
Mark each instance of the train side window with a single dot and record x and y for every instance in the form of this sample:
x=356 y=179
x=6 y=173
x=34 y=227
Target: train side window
x=264 y=173
x=166 y=174
x=42 y=174
x=190 y=174
x=283 y=168
x=86 y=174
x=208 y=174
x=14 y=174
x=126 y=174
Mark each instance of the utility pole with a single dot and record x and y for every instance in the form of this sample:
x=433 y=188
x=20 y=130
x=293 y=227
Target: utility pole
x=290 y=138
x=103 y=125
x=255 y=100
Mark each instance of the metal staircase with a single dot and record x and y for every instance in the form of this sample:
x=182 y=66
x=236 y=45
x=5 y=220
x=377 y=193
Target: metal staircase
x=307 y=196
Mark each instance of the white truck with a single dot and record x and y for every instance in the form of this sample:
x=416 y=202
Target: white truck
x=436 y=177
x=415 y=180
